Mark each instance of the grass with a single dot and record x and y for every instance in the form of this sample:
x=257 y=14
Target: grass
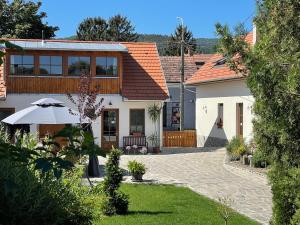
x=169 y=205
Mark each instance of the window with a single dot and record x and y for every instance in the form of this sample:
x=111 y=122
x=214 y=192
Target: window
x=137 y=121
x=79 y=65
x=21 y=65
x=220 y=116
x=106 y=66
x=51 y=65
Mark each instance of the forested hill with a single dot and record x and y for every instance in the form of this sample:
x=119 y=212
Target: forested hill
x=204 y=45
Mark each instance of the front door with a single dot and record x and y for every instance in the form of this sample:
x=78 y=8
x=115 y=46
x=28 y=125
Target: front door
x=110 y=129
x=239 y=120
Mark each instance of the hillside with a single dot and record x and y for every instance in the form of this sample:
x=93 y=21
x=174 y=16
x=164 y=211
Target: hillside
x=204 y=45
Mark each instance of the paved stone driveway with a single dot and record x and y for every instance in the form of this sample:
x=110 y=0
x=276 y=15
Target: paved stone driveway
x=206 y=173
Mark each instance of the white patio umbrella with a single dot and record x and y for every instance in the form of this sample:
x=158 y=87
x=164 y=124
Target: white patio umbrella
x=44 y=111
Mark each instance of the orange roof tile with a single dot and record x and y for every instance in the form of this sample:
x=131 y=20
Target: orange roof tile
x=211 y=72
x=143 y=75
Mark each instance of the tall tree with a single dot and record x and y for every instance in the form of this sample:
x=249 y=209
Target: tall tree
x=92 y=29
x=121 y=29
x=173 y=47
x=22 y=19
x=272 y=67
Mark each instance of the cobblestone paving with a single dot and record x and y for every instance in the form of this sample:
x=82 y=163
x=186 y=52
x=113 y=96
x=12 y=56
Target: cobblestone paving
x=206 y=173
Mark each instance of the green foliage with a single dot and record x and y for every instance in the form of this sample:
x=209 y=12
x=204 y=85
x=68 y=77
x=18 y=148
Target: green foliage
x=115 y=201
x=92 y=29
x=26 y=199
x=273 y=69
x=259 y=159
x=285 y=189
x=121 y=29
x=9 y=45
x=22 y=19
x=236 y=148
x=154 y=112
x=117 y=28
x=135 y=167
x=173 y=47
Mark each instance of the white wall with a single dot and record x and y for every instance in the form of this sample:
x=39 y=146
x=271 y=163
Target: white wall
x=229 y=93
x=21 y=101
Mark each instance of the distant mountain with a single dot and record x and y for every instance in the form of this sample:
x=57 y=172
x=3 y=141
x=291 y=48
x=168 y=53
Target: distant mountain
x=204 y=45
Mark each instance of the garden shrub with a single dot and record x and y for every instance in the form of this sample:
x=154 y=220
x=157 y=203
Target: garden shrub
x=259 y=159
x=115 y=201
x=286 y=194
x=236 y=148
x=26 y=199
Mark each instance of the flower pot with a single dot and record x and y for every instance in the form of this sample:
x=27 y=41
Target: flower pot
x=137 y=177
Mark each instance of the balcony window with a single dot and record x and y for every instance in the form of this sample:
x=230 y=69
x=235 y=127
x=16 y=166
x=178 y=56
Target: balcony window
x=79 y=65
x=106 y=66
x=51 y=65
x=21 y=65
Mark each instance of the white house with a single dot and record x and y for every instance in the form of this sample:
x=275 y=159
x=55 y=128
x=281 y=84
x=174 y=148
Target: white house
x=223 y=102
x=128 y=76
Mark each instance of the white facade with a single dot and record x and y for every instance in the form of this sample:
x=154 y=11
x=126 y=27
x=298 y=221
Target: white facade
x=229 y=92
x=21 y=101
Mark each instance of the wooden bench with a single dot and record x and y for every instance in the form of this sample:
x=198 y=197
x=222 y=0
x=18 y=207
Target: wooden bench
x=139 y=141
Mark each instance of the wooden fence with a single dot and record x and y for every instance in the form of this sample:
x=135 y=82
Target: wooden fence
x=180 y=138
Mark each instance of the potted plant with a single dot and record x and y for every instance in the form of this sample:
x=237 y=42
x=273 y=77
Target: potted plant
x=137 y=170
x=154 y=139
x=154 y=114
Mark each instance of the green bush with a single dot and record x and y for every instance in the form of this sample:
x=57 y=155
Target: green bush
x=115 y=201
x=259 y=159
x=286 y=194
x=236 y=148
x=26 y=199
x=136 y=167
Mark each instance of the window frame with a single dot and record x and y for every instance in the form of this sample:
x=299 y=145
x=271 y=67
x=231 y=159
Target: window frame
x=144 y=120
x=22 y=64
x=79 y=56
x=51 y=65
x=107 y=75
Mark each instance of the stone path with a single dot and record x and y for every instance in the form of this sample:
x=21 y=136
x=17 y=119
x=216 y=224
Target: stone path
x=206 y=173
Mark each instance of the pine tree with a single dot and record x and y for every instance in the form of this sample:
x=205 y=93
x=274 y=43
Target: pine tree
x=173 y=47
x=92 y=29
x=121 y=29
x=20 y=19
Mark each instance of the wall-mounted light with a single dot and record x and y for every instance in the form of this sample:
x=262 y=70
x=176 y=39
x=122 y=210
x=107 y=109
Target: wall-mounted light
x=205 y=108
x=109 y=103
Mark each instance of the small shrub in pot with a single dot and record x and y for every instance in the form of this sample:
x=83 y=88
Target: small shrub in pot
x=137 y=170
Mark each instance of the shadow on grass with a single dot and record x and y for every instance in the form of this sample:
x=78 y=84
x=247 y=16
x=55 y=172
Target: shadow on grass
x=149 y=213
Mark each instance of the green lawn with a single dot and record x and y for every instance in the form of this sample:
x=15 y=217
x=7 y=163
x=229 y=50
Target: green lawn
x=169 y=205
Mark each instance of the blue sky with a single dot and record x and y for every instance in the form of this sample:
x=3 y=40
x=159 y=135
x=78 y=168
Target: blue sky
x=152 y=16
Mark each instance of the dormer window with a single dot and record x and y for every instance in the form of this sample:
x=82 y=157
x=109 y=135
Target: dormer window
x=106 y=66
x=79 y=65
x=21 y=65
x=220 y=62
x=51 y=65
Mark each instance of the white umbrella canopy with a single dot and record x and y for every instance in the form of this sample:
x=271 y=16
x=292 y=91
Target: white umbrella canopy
x=45 y=111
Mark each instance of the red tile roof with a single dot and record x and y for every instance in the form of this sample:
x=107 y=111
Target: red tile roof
x=210 y=72
x=202 y=57
x=172 y=67
x=143 y=75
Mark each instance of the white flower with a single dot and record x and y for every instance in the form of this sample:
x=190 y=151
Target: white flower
x=143 y=150
x=128 y=147
x=135 y=146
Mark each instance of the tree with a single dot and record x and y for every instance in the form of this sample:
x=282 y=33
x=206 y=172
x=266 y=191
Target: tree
x=173 y=47
x=120 y=29
x=20 y=19
x=92 y=29
x=272 y=67
x=89 y=109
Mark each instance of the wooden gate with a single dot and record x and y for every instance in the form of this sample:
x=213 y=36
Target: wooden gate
x=187 y=138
